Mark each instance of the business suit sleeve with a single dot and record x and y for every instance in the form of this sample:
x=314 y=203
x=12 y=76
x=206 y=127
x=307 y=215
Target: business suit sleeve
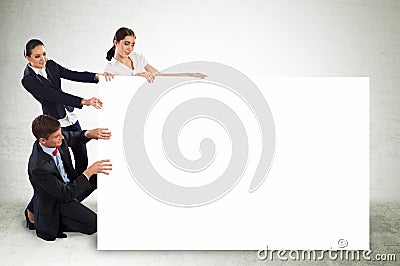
x=47 y=181
x=44 y=92
x=73 y=138
x=76 y=75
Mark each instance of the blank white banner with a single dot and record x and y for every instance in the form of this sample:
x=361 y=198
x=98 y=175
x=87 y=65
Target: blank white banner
x=235 y=163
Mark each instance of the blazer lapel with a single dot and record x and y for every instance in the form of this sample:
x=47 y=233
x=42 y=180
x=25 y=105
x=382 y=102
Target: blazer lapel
x=46 y=157
x=49 y=76
x=29 y=71
x=40 y=79
x=50 y=161
x=67 y=162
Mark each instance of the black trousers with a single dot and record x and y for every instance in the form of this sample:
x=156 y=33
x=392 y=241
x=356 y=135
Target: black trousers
x=76 y=217
x=80 y=151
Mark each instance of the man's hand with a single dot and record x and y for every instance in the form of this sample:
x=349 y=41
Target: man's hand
x=98 y=133
x=99 y=167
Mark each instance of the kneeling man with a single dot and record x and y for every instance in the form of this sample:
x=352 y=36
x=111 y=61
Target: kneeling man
x=58 y=188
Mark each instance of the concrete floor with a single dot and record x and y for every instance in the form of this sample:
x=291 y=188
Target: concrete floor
x=19 y=246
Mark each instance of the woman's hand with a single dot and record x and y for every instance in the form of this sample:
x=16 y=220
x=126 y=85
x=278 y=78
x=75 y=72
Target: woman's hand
x=148 y=75
x=107 y=75
x=198 y=75
x=185 y=74
x=96 y=103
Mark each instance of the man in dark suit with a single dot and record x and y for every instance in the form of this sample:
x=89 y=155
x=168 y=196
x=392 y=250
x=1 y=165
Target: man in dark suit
x=58 y=188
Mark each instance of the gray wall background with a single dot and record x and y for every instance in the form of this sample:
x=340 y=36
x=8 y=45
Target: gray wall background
x=259 y=38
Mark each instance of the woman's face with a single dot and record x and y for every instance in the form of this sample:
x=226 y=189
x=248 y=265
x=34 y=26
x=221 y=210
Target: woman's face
x=125 y=47
x=38 y=57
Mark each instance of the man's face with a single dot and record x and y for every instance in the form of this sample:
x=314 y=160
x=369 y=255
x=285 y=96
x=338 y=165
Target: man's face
x=54 y=140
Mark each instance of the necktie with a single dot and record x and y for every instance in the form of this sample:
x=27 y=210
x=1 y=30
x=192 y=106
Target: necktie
x=60 y=165
x=56 y=150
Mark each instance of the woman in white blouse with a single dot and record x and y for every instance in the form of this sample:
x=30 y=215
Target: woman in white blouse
x=125 y=62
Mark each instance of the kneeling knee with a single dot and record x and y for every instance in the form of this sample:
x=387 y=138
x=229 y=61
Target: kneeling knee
x=91 y=227
x=90 y=230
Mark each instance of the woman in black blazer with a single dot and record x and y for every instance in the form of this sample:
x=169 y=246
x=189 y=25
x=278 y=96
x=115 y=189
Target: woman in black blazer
x=42 y=79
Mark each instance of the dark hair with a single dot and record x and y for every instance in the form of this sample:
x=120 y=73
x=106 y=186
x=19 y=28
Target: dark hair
x=119 y=35
x=30 y=45
x=44 y=125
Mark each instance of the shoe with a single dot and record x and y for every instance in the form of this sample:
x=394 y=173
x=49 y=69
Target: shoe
x=62 y=235
x=29 y=224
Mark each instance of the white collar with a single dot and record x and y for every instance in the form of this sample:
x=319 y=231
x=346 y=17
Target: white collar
x=116 y=61
x=47 y=150
x=37 y=70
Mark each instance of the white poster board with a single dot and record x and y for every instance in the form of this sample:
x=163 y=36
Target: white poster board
x=315 y=192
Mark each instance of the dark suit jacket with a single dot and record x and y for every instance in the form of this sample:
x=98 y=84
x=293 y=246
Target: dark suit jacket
x=49 y=189
x=48 y=91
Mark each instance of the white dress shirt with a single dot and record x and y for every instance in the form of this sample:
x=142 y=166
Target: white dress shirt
x=120 y=69
x=39 y=71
